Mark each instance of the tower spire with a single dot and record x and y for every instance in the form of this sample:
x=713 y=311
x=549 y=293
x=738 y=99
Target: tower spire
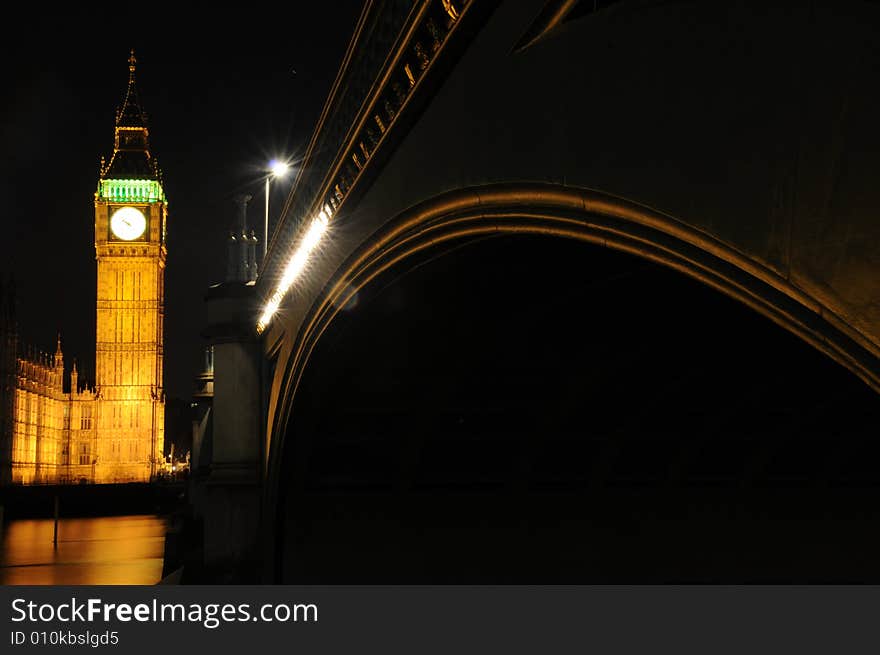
x=131 y=114
x=131 y=157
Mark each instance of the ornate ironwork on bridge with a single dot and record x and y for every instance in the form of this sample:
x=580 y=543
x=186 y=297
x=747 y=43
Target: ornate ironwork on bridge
x=396 y=48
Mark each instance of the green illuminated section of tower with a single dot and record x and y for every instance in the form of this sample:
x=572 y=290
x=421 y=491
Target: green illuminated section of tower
x=131 y=191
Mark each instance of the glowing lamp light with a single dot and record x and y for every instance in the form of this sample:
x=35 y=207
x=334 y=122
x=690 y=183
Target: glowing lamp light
x=278 y=168
x=295 y=266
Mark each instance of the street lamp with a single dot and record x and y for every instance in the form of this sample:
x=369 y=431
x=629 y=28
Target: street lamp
x=276 y=169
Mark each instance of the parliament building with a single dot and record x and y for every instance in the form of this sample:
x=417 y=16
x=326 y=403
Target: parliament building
x=55 y=430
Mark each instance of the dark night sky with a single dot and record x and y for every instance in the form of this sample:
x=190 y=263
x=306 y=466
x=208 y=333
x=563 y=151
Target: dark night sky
x=222 y=99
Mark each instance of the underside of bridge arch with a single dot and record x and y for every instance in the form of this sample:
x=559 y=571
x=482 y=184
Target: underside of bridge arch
x=475 y=401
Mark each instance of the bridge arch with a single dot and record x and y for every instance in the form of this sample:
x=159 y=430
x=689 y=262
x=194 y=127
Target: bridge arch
x=571 y=213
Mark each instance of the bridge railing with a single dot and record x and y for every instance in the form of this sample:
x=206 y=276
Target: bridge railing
x=394 y=57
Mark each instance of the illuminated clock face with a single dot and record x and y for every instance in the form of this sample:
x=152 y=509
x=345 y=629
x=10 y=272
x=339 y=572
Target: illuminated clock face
x=127 y=223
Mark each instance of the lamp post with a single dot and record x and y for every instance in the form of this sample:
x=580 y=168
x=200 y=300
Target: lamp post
x=276 y=169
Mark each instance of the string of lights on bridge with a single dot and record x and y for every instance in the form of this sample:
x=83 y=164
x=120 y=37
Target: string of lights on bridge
x=432 y=28
x=296 y=264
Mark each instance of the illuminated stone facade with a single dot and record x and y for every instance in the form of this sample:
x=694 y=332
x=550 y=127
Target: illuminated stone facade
x=114 y=431
x=52 y=435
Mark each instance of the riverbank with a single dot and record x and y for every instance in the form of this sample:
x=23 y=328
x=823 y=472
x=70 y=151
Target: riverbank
x=31 y=502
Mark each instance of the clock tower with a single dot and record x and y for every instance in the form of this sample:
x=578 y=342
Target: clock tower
x=131 y=212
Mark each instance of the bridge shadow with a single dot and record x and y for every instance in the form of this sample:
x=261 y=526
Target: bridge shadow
x=526 y=409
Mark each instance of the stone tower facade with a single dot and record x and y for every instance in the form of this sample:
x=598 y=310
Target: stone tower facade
x=114 y=431
x=131 y=212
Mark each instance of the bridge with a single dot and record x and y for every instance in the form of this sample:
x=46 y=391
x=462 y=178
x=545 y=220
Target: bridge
x=719 y=152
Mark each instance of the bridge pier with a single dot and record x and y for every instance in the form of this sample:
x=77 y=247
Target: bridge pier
x=226 y=491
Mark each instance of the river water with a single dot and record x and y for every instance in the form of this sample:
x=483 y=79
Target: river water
x=103 y=550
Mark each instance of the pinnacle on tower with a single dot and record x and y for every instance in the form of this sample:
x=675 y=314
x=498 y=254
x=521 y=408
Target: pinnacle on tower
x=59 y=356
x=74 y=378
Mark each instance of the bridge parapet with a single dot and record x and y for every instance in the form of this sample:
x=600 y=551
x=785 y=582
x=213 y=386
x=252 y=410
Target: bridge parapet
x=397 y=53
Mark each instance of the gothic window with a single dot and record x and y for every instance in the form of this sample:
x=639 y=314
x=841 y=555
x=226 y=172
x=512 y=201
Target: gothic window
x=84 y=453
x=85 y=419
